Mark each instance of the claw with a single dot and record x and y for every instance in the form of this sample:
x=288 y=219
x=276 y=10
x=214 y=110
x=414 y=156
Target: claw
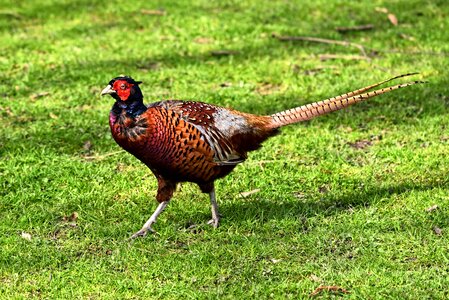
x=142 y=233
x=214 y=222
x=147 y=226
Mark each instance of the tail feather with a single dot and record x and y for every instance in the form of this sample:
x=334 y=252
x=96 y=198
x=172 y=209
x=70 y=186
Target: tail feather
x=367 y=88
x=312 y=110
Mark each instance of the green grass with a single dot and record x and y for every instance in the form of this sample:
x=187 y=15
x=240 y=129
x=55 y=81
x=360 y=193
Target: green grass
x=326 y=213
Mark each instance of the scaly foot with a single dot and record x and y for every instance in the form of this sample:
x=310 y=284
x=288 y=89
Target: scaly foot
x=142 y=232
x=147 y=226
x=214 y=222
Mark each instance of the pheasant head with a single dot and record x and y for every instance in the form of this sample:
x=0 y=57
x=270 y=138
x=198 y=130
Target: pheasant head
x=123 y=89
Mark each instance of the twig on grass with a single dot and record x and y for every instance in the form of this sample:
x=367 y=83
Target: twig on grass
x=358 y=46
x=324 y=57
x=321 y=40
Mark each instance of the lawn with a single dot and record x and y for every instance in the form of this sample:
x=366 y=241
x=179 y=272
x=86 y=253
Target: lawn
x=357 y=199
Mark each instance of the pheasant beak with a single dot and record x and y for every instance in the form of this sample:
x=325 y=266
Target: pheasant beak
x=107 y=91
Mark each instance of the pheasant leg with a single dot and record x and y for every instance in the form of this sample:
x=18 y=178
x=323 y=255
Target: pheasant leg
x=147 y=226
x=215 y=215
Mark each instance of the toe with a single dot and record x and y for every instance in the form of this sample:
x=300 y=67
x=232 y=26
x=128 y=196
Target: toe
x=142 y=233
x=214 y=222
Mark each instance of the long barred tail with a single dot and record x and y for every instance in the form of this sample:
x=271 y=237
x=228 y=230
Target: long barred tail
x=312 y=110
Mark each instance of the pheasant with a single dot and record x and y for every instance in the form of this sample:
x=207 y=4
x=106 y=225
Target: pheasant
x=198 y=142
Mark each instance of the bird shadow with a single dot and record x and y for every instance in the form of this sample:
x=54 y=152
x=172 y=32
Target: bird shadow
x=330 y=204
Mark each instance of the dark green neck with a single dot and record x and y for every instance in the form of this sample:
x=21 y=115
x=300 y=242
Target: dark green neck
x=133 y=108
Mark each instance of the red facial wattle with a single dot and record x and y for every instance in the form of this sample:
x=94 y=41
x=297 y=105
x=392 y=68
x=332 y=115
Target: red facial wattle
x=123 y=89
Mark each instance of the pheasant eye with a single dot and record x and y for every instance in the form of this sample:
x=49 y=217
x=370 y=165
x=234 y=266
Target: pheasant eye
x=123 y=86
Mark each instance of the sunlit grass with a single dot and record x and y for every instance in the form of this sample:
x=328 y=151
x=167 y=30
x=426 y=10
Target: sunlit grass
x=326 y=213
